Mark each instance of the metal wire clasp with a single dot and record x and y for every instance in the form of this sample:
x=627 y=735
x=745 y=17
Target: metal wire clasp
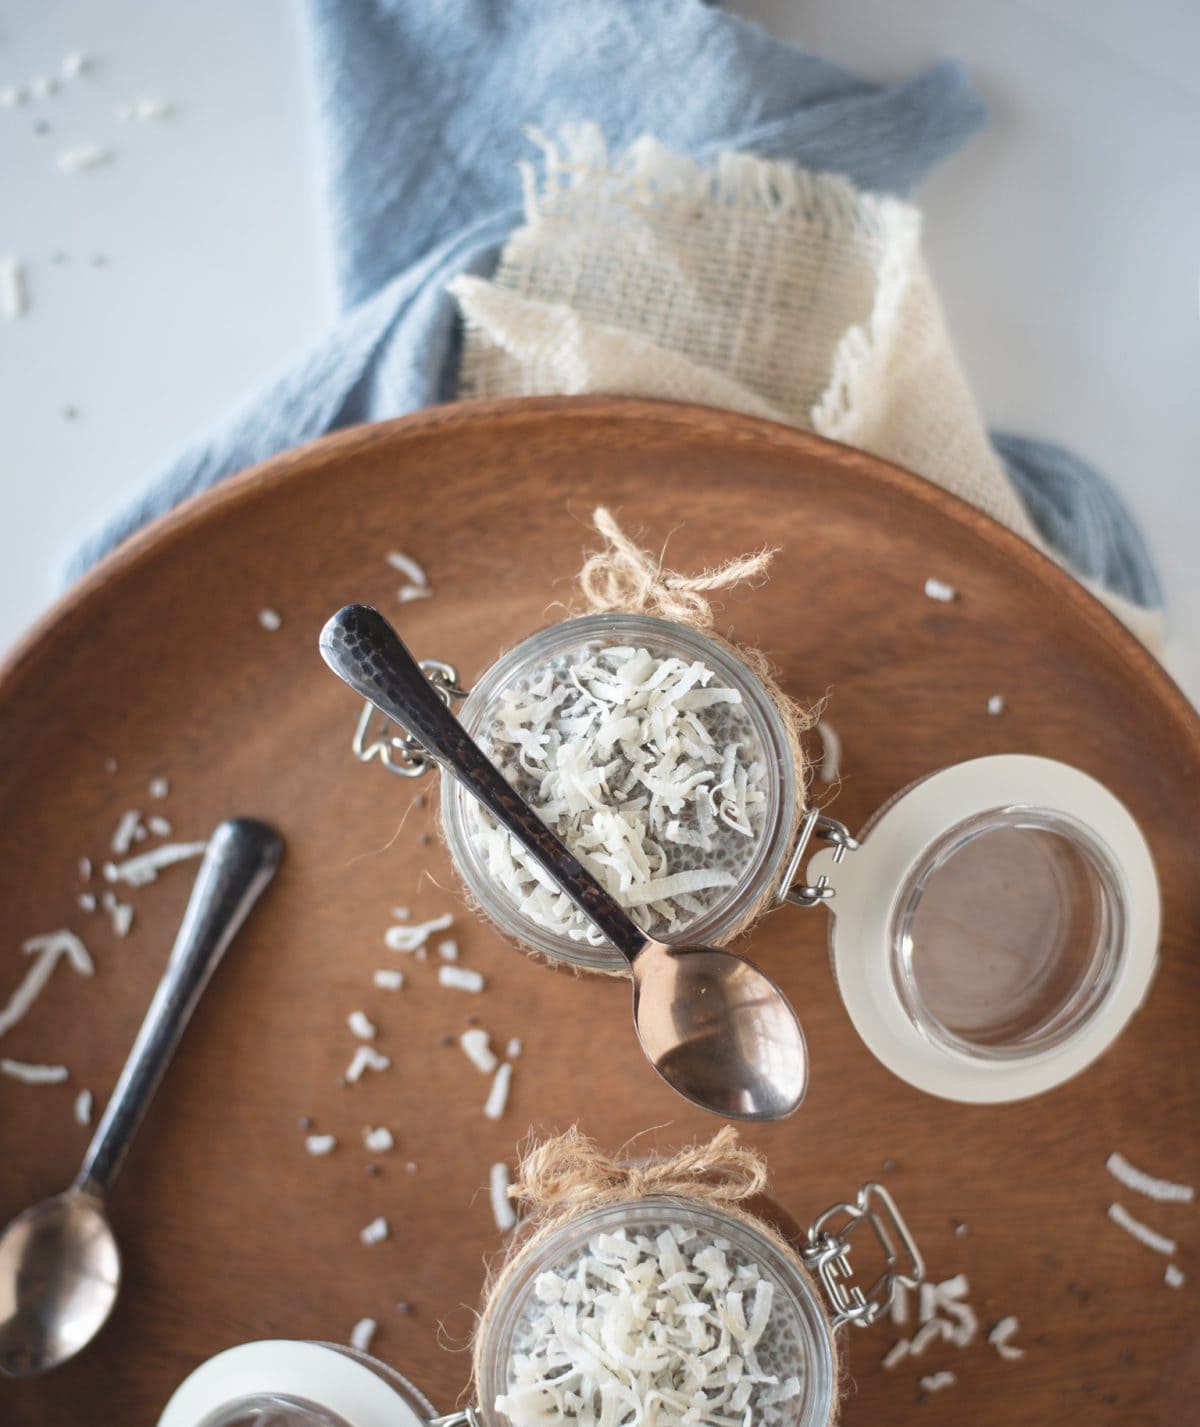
x=377 y=737
x=827 y=1253
x=815 y=824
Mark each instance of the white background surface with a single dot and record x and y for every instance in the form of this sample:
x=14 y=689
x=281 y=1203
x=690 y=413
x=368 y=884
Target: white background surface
x=1066 y=242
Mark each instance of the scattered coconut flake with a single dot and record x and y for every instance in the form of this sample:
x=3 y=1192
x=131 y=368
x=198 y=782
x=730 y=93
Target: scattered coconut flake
x=831 y=752
x=14 y=291
x=477 y=1045
x=410 y=1168
x=1173 y=1276
x=1000 y=1335
x=34 y=1074
x=379 y=1140
x=119 y=913
x=940 y=590
x=388 y=980
x=152 y=109
x=11 y=95
x=126 y=832
x=42 y=86
x=319 y=1145
x=502 y=1209
x=362 y=1333
x=270 y=619
x=87 y=902
x=937 y=1381
x=460 y=978
x=413 y=938
x=47 y=950
x=160 y=827
x=401 y=914
x=83 y=156
x=143 y=869
x=1142 y=1232
x=75 y=65
x=361 y=1026
x=995 y=705
x=928 y=1303
x=375 y=1232
x=159 y=787
x=1163 y=1190
x=898 y=1308
x=448 y=950
x=936 y=1330
x=85 y=868
x=83 y=1108
x=895 y=1354
x=366 y=1057
x=418 y=586
x=497 y=1100
x=513 y=1049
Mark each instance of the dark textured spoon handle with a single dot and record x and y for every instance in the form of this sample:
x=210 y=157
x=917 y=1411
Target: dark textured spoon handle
x=362 y=648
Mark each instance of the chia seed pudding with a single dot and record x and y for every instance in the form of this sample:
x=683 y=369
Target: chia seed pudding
x=646 y=764
x=670 y=1324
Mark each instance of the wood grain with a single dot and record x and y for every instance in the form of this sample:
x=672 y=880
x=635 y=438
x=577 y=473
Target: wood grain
x=230 y=1232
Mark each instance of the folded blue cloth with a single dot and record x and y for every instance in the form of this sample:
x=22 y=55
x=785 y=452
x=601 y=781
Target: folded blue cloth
x=421 y=112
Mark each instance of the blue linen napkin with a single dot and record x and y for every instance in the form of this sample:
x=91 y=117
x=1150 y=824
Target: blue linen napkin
x=421 y=112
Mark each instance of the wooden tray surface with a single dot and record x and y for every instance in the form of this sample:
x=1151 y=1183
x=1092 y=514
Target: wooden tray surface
x=231 y=1232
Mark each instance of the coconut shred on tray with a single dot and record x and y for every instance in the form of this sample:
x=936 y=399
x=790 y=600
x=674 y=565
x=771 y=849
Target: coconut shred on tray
x=669 y=1326
x=648 y=769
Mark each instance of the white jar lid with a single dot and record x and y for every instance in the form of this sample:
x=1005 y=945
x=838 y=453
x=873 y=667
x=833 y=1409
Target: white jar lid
x=345 y=1385
x=872 y=939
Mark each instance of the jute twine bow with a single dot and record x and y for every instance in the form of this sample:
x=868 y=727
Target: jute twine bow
x=569 y=1175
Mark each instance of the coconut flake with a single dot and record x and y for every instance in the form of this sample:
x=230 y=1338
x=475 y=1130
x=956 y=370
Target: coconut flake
x=366 y=1057
x=83 y=1108
x=11 y=96
x=270 y=619
x=460 y=978
x=936 y=1330
x=362 y=1334
x=413 y=938
x=14 y=291
x=83 y=156
x=477 y=1046
x=502 y=1210
x=379 y=1140
x=48 y=951
x=1163 y=1190
x=85 y=868
x=1000 y=1335
x=375 y=1232
x=152 y=109
x=995 y=705
x=448 y=950
x=34 y=1074
x=1142 y=1232
x=896 y=1354
x=126 y=833
x=87 y=902
x=418 y=581
x=939 y=590
x=831 y=752
x=388 y=980
x=361 y=1026
x=513 y=1049
x=1173 y=1276
x=145 y=867
x=75 y=65
x=938 y=1381
x=497 y=1100
x=320 y=1145
x=159 y=787
x=120 y=914
x=159 y=827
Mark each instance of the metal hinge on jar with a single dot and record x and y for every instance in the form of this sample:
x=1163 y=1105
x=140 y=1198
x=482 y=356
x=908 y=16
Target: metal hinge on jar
x=815 y=824
x=400 y=753
x=827 y=1254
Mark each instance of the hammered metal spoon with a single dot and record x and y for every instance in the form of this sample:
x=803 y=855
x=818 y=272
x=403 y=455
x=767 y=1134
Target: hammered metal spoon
x=717 y=1030
x=60 y=1268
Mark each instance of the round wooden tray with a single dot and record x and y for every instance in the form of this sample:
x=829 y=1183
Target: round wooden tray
x=231 y=1232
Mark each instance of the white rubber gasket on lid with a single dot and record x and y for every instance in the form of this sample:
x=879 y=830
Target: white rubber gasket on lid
x=867 y=884
x=316 y=1372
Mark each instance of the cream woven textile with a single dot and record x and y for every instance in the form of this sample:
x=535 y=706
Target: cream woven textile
x=747 y=284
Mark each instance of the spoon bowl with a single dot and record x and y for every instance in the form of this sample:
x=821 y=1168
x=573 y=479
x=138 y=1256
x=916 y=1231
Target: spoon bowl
x=60 y=1269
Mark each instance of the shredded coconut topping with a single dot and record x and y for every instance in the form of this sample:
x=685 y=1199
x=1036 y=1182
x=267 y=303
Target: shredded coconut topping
x=47 y=951
x=1000 y=1335
x=145 y=867
x=34 y=1074
x=83 y=156
x=375 y=1232
x=14 y=293
x=1142 y=1232
x=646 y=768
x=1173 y=1276
x=413 y=937
x=460 y=978
x=497 y=1100
x=831 y=752
x=366 y=1057
x=502 y=1210
x=388 y=980
x=937 y=1381
x=477 y=1045
x=1161 y=1189
x=83 y=1108
x=939 y=590
x=320 y=1145
x=362 y=1333
x=379 y=1140
x=361 y=1026
x=668 y=1326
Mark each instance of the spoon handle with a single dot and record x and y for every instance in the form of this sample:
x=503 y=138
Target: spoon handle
x=241 y=859
x=362 y=648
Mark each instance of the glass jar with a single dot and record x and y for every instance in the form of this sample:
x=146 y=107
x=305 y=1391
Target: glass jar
x=662 y=639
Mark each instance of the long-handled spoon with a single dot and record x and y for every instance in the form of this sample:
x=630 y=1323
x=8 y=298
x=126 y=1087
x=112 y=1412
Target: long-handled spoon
x=716 y=1029
x=60 y=1267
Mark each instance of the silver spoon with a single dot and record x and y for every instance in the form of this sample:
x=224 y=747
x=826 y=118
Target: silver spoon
x=716 y=1029
x=60 y=1267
